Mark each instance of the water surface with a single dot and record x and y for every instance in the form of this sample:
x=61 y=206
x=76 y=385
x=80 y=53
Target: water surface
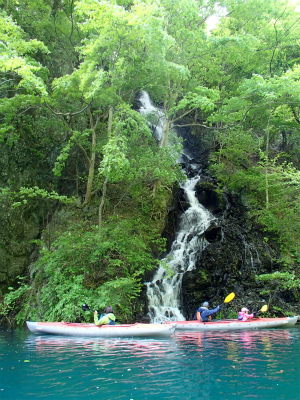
x=191 y=365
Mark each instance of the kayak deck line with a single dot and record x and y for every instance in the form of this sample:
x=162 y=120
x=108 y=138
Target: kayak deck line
x=92 y=330
x=255 y=323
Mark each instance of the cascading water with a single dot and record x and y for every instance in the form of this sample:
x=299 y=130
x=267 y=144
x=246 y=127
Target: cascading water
x=165 y=289
x=155 y=116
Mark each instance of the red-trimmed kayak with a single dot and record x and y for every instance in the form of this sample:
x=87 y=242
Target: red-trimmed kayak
x=91 y=330
x=233 y=324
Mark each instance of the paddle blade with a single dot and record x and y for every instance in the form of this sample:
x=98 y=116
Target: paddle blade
x=229 y=297
x=264 y=308
x=85 y=307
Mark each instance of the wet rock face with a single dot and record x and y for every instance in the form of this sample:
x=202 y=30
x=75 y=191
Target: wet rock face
x=213 y=233
x=18 y=230
x=236 y=251
x=229 y=263
x=208 y=197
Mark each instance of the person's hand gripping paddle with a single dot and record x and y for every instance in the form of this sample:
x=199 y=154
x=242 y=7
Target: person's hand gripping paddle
x=263 y=309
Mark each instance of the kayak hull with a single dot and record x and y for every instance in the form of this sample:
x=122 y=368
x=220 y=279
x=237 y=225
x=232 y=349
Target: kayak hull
x=255 y=323
x=91 y=330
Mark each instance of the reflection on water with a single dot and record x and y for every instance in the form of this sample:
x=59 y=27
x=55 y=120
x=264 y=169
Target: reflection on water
x=138 y=347
x=191 y=365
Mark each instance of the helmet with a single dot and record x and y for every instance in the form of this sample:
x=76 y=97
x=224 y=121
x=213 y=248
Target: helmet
x=244 y=309
x=205 y=304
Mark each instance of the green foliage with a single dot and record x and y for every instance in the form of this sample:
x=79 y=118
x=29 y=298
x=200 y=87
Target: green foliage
x=13 y=300
x=24 y=195
x=16 y=58
x=131 y=154
x=280 y=281
x=83 y=268
x=227 y=314
x=203 y=99
x=88 y=59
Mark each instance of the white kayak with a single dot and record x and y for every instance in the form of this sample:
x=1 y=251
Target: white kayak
x=233 y=324
x=92 y=330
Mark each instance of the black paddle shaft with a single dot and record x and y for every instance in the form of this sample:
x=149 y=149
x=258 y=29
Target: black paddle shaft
x=85 y=307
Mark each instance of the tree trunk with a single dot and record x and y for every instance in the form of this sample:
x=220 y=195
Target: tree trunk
x=165 y=134
x=267 y=157
x=89 y=186
x=102 y=202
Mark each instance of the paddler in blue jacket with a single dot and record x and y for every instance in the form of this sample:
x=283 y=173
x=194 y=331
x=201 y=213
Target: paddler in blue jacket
x=204 y=314
x=107 y=318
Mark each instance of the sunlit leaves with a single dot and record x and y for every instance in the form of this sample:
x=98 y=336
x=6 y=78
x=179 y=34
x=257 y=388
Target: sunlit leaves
x=280 y=280
x=203 y=99
x=15 y=57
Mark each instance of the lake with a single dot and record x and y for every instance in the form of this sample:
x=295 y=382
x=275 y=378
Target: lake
x=261 y=364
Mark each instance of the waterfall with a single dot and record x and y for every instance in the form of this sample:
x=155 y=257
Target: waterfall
x=248 y=259
x=154 y=115
x=165 y=289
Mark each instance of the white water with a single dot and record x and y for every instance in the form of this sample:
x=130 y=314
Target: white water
x=165 y=289
x=155 y=116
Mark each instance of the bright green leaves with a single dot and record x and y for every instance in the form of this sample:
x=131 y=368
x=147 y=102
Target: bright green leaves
x=126 y=45
x=115 y=164
x=203 y=99
x=131 y=154
x=282 y=214
x=27 y=194
x=278 y=90
x=16 y=58
x=256 y=95
x=279 y=281
x=129 y=131
x=232 y=111
x=285 y=280
x=62 y=158
x=85 y=269
x=22 y=78
x=92 y=80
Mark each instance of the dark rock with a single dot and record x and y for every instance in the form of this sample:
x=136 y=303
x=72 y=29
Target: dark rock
x=213 y=233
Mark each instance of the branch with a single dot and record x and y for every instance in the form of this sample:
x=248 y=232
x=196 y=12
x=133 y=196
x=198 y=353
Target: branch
x=61 y=115
x=184 y=114
x=295 y=115
x=70 y=114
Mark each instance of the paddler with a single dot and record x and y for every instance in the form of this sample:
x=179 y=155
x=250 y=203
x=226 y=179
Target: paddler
x=204 y=314
x=106 y=318
x=244 y=315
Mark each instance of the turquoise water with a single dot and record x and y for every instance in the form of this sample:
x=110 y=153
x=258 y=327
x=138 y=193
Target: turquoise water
x=242 y=365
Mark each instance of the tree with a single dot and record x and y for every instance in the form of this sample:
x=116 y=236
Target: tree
x=22 y=78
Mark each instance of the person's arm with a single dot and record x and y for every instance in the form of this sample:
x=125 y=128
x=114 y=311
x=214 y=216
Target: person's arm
x=210 y=312
x=96 y=319
x=102 y=321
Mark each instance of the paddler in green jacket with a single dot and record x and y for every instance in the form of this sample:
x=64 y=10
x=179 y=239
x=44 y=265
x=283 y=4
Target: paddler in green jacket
x=107 y=318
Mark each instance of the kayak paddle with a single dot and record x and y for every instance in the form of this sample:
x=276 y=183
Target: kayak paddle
x=263 y=309
x=85 y=307
x=229 y=297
